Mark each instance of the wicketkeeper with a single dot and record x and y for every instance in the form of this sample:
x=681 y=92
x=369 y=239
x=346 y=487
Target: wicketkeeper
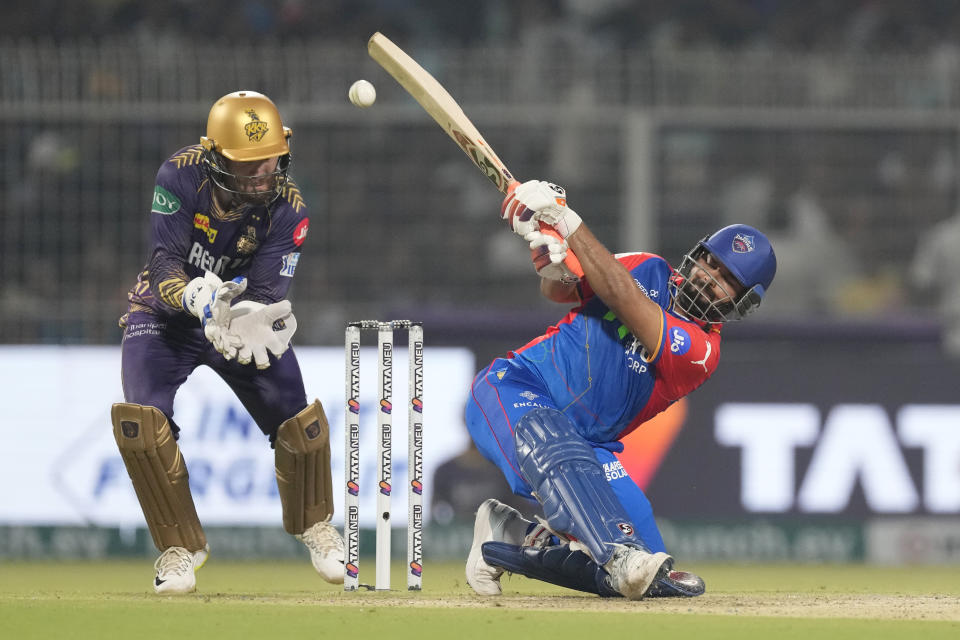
x=551 y=414
x=226 y=229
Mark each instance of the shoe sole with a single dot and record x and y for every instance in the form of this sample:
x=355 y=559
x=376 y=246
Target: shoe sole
x=663 y=571
x=677 y=584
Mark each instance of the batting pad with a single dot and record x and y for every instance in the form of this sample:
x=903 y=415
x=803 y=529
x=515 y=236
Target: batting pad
x=303 y=469
x=159 y=475
x=570 y=484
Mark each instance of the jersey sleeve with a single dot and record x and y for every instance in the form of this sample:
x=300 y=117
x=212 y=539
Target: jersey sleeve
x=686 y=354
x=171 y=225
x=686 y=357
x=271 y=272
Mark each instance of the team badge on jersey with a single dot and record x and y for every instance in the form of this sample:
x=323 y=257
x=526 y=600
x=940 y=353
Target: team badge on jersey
x=289 y=264
x=256 y=128
x=248 y=242
x=743 y=243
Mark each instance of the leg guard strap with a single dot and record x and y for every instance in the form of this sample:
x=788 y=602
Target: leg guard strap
x=159 y=476
x=303 y=469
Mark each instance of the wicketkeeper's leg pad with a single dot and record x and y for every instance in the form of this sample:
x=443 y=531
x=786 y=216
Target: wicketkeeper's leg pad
x=303 y=469
x=159 y=475
x=570 y=484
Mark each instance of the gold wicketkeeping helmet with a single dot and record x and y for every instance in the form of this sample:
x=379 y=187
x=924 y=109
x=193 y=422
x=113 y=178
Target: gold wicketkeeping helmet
x=245 y=126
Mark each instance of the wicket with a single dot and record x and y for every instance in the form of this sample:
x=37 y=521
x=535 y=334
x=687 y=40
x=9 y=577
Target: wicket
x=351 y=581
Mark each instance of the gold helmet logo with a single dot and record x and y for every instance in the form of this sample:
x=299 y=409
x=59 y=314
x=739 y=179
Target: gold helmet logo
x=256 y=128
x=246 y=126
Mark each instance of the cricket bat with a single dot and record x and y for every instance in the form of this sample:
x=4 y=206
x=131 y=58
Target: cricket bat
x=441 y=106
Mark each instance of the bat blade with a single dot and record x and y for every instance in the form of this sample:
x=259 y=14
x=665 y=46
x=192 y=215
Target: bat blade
x=441 y=106
x=436 y=101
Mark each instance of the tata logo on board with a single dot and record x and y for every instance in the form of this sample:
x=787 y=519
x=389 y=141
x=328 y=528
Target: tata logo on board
x=854 y=445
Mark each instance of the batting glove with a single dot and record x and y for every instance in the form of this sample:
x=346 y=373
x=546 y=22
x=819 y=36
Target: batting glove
x=551 y=257
x=537 y=201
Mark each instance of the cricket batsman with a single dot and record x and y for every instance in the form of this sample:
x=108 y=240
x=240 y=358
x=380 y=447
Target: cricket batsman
x=552 y=413
x=226 y=230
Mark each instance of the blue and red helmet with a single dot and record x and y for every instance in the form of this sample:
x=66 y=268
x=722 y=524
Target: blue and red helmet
x=747 y=255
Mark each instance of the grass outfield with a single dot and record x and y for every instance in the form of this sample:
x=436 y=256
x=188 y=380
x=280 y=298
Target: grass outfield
x=281 y=600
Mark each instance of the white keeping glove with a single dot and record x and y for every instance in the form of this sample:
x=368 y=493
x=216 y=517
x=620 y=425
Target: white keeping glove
x=537 y=201
x=209 y=298
x=259 y=328
x=216 y=310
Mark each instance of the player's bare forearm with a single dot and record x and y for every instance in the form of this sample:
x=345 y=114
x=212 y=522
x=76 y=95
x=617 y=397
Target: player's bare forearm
x=557 y=291
x=613 y=284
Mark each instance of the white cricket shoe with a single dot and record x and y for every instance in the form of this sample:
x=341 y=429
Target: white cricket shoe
x=495 y=522
x=632 y=570
x=326 y=550
x=176 y=570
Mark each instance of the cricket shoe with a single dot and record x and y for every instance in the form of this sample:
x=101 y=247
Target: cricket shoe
x=326 y=550
x=176 y=570
x=495 y=522
x=677 y=584
x=633 y=570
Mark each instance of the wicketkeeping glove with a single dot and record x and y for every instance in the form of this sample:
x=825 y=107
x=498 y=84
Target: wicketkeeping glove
x=260 y=328
x=209 y=299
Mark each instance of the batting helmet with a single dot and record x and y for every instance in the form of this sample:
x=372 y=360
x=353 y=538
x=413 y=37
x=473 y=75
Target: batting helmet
x=747 y=255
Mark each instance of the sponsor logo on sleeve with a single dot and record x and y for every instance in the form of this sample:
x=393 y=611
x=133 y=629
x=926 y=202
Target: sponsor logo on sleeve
x=289 y=264
x=164 y=202
x=679 y=341
x=300 y=233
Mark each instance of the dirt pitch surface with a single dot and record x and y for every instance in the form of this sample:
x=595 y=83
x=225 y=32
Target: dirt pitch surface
x=786 y=605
